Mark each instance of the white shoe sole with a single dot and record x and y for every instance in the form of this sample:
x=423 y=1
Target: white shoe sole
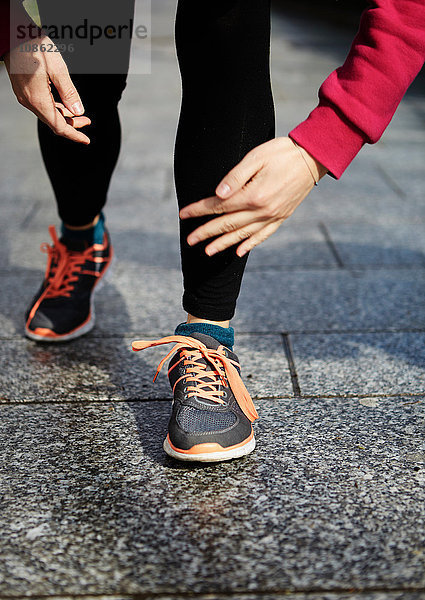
x=84 y=328
x=210 y=456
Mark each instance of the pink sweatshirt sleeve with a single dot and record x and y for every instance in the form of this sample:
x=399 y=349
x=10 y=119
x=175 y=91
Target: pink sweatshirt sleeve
x=359 y=99
x=16 y=26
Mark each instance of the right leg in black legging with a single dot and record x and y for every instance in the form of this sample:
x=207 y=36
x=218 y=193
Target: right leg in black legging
x=227 y=109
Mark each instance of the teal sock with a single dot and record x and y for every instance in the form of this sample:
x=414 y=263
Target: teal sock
x=223 y=335
x=94 y=235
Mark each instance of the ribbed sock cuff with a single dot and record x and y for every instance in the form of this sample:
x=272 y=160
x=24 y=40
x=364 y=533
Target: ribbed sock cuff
x=94 y=235
x=223 y=335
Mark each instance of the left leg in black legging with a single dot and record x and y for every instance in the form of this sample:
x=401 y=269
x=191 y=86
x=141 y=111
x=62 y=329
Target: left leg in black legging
x=227 y=109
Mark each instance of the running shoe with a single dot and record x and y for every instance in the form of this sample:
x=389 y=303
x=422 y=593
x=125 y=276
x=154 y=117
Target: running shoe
x=63 y=307
x=212 y=411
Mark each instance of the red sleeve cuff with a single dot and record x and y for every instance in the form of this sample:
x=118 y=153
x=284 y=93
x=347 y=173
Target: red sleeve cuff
x=329 y=138
x=16 y=26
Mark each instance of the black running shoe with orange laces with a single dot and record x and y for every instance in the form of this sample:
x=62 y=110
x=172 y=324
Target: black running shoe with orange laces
x=63 y=307
x=212 y=411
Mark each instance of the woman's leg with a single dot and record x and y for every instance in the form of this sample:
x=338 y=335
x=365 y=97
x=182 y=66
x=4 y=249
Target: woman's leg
x=80 y=175
x=227 y=109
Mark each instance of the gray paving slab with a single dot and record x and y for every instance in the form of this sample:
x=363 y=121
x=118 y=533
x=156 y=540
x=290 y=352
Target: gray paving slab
x=293 y=245
x=135 y=298
x=93 y=369
x=151 y=244
x=374 y=245
x=332 y=499
x=411 y=180
x=402 y=164
x=146 y=232
x=374 y=363
x=17 y=291
x=140 y=298
x=359 y=595
x=408 y=120
x=318 y=300
x=347 y=200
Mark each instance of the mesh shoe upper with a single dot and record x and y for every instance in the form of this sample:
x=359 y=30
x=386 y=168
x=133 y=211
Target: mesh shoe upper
x=194 y=420
x=211 y=404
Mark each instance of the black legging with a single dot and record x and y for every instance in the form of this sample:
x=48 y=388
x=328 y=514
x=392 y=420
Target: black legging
x=227 y=109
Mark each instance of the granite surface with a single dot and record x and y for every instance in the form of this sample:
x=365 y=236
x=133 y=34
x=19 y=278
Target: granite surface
x=278 y=595
x=106 y=368
x=373 y=363
x=293 y=246
x=141 y=298
x=333 y=498
x=330 y=333
x=352 y=595
x=334 y=299
x=379 y=245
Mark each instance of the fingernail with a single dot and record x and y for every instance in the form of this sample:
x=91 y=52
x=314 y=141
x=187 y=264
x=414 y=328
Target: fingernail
x=77 y=108
x=223 y=189
x=211 y=251
x=192 y=241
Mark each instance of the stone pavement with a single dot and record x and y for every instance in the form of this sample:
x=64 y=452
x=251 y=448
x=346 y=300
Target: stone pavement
x=331 y=334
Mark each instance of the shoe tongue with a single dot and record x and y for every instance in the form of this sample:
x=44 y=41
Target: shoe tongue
x=74 y=245
x=209 y=341
x=212 y=343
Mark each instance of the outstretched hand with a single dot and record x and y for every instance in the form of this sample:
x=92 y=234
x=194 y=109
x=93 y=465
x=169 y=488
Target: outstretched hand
x=255 y=197
x=31 y=74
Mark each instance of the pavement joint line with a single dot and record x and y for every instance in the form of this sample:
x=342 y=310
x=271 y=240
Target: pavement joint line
x=331 y=245
x=249 y=592
x=401 y=396
x=352 y=266
x=287 y=347
x=31 y=214
x=21 y=338
x=393 y=185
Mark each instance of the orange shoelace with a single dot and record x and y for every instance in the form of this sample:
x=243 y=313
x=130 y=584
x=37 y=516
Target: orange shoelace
x=206 y=384
x=64 y=266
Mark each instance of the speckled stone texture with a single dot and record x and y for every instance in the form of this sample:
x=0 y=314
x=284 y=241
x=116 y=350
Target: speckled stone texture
x=330 y=331
x=96 y=368
x=332 y=498
x=335 y=299
x=402 y=595
x=373 y=363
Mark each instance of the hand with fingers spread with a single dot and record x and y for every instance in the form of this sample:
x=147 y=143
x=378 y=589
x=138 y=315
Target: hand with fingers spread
x=31 y=74
x=255 y=197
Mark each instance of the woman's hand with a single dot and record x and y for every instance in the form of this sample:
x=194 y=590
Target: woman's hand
x=255 y=197
x=31 y=74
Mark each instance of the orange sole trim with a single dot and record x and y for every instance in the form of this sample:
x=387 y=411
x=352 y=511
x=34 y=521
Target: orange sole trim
x=49 y=333
x=209 y=448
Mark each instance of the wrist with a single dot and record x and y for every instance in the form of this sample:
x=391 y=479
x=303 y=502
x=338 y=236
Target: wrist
x=316 y=166
x=317 y=170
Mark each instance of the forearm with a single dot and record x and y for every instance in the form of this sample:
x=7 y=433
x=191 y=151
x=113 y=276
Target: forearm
x=359 y=99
